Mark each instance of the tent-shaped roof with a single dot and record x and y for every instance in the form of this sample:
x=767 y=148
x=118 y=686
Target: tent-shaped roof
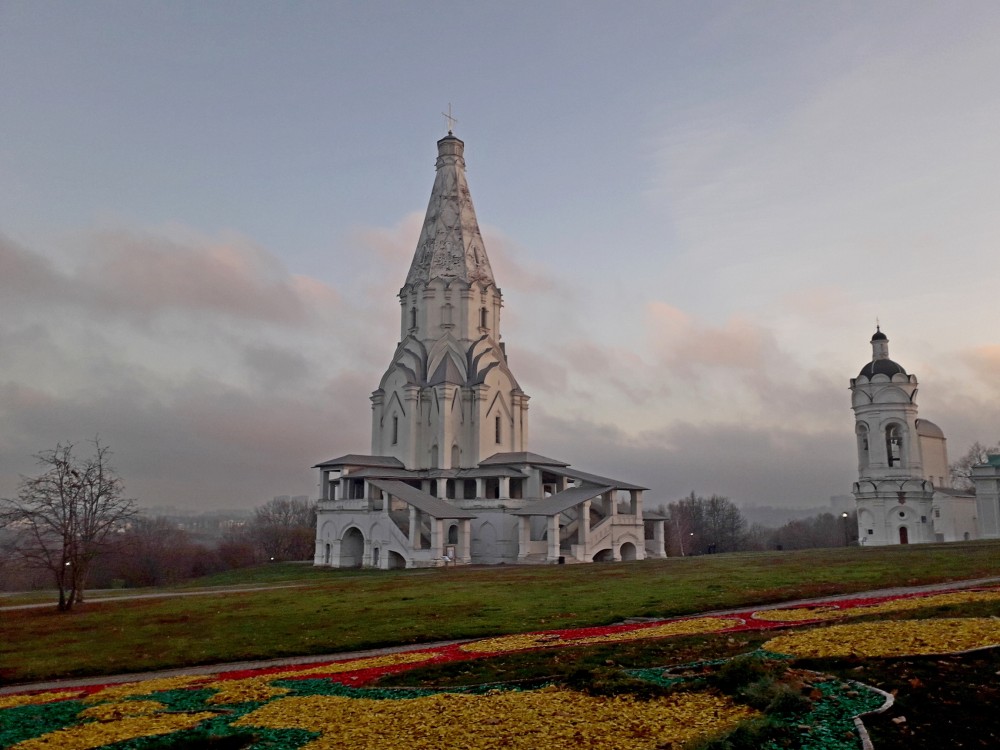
x=450 y=245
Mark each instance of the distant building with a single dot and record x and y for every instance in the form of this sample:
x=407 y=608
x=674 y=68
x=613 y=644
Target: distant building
x=902 y=492
x=986 y=478
x=449 y=478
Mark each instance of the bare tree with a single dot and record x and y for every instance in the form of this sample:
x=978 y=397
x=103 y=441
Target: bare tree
x=725 y=527
x=285 y=528
x=698 y=524
x=961 y=470
x=63 y=519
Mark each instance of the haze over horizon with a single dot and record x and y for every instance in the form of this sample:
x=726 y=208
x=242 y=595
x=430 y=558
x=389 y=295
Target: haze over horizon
x=695 y=211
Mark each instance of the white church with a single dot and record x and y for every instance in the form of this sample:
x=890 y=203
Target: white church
x=903 y=494
x=449 y=479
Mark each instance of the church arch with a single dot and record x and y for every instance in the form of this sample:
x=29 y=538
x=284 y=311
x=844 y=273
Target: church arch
x=627 y=551
x=904 y=535
x=453 y=534
x=352 y=548
x=456 y=456
x=893 y=395
x=434 y=456
x=605 y=555
x=895 y=445
x=864 y=448
x=484 y=542
x=394 y=560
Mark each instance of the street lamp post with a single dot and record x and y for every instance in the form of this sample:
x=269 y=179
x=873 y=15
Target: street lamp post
x=847 y=535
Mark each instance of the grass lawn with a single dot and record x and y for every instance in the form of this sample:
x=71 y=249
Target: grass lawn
x=337 y=611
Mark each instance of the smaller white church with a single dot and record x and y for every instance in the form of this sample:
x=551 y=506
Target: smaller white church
x=902 y=491
x=449 y=479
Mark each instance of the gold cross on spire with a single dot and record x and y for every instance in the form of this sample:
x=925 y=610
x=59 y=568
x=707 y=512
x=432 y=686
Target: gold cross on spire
x=451 y=120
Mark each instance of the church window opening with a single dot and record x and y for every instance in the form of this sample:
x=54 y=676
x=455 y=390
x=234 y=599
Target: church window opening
x=413 y=317
x=456 y=456
x=497 y=430
x=937 y=512
x=469 y=489
x=894 y=445
x=483 y=317
x=357 y=489
x=871 y=532
x=453 y=534
x=516 y=488
x=395 y=429
x=863 y=444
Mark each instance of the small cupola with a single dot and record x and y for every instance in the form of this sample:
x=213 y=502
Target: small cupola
x=880 y=364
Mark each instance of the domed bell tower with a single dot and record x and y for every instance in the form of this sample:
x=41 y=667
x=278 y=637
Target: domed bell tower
x=894 y=500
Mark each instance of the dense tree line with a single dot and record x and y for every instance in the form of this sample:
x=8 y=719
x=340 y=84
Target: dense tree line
x=699 y=525
x=157 y=552
x=74 y=527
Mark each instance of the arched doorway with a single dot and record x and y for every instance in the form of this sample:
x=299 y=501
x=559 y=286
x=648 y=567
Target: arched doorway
x=395 y=560
x=627 y=551
x=453 y=534
x=904 y=535
x=352 y=548
x=484 y=543
x=604 y=556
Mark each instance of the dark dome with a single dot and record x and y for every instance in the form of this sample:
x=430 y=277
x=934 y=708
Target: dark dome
x=881 y=367
x=879 y=336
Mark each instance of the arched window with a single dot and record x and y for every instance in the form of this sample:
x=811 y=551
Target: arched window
x=894 y=445
x=483 y=317
x=456 y=456
x=395 y=429
x=413 y=317
x=434 y=456
x=497 y=430
x=863 y=448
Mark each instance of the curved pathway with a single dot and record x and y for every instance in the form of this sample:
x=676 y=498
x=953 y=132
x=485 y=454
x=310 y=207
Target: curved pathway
x=314 y=658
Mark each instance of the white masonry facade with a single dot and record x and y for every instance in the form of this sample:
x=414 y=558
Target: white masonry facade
x=450 y=479
x=903 y=494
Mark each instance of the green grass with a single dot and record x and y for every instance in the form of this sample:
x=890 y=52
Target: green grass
x=335 y=611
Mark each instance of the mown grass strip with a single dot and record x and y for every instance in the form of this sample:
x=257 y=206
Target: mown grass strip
x=350 y=610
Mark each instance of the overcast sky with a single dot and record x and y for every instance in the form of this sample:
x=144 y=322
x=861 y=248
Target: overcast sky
x=696 y=212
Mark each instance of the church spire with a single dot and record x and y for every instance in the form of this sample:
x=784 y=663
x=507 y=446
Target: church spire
x=450 y=245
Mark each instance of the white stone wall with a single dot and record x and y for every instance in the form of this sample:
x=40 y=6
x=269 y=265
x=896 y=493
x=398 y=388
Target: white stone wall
x=934 y=459
x=987 y=480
